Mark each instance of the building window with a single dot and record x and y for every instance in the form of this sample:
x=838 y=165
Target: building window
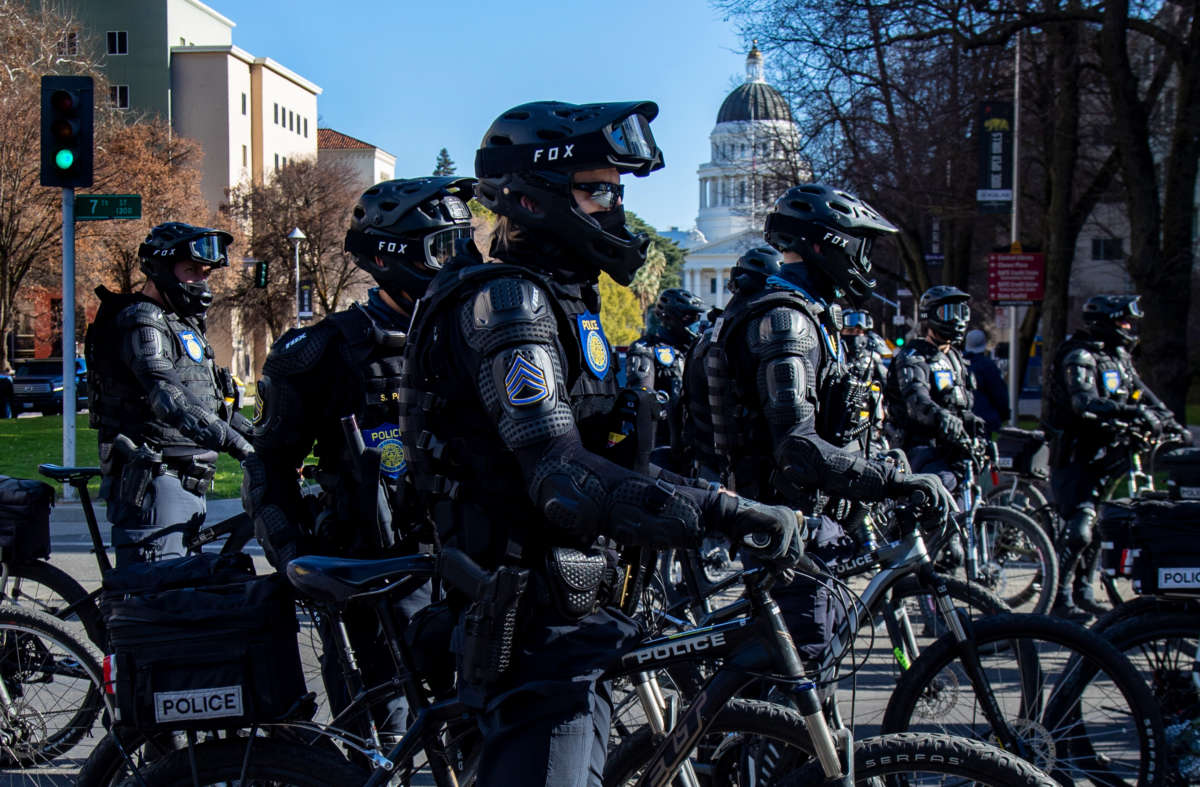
x=69 y=44
x=712 y=285
x=276 y=121
x=306 y=128
x=118 y=95
x=1107 y=249
x=243 y=103
x=118 y=42
x=245 y=157
x=276 y=162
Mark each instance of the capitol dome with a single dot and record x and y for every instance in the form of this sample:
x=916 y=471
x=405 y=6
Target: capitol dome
x=754 y=101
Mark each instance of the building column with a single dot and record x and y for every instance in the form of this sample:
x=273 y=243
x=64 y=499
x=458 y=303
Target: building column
x=719 y=298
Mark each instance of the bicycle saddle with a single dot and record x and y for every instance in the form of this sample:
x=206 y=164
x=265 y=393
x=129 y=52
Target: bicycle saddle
x=338 y=580
x=68 y=474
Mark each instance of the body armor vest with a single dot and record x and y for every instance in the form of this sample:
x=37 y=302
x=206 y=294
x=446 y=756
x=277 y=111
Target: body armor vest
x=951 y=386
x=460 y=465
x=373 y=358
x=741 y=439
x=118 y=402
x=1079 y=440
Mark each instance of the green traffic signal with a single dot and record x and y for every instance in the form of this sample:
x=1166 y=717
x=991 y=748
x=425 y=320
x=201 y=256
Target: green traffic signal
x=899 y=341
x=260 y=273
x=63 y=159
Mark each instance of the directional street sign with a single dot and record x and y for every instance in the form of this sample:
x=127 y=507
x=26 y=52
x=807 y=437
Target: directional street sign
x=1015 y=279
x=94 y=207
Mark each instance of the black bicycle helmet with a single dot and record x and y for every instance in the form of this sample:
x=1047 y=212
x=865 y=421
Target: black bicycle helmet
x=533 y=149
x=1103 y=313
x=832 y=231
x=403 y=231
x=678 y=314
x=174 y=242
x=945 y=310
x=753 y=268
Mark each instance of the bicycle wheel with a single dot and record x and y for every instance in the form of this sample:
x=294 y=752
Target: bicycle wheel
x=1080 y=708
x=106 y=766
x=1162 y=647
x=757 y=743
x=51 y=688
x=1022 y=566
x=48 y=589
x=274 y=762
x=943 y=759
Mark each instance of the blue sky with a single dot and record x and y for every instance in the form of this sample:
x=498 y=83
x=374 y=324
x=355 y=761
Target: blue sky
x=415 y=77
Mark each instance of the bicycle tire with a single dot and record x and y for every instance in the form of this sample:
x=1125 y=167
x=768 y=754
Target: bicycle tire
x=61 y=591
x=1016 y=534
x=278 y=763
x=106 y=765
x=1162 y=647
x=753 y=723
x=1140 y=606
x=884 y=756
x=26 y=641
x=937 y=675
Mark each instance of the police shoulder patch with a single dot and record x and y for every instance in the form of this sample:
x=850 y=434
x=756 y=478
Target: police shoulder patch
x=594 y=344
x=1112 y=380
x=665 y=354
x=943 y=378
x=525 y=382
x=191 y=345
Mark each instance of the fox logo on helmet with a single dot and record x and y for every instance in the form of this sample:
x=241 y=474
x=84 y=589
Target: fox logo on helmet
x=392 y=247
x=553 y=154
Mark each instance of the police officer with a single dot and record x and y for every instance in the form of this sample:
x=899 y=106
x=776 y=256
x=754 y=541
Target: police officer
x=349 y=364
x=930 y=389
x=655 y=362
x=1094 y=391
x=161 y=405
x=786 y=411
x=512 y=391
x=866 y=361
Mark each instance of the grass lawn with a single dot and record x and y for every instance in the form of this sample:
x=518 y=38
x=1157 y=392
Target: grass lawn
x=27 y=442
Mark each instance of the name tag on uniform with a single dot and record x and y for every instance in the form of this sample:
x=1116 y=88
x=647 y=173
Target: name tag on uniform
x=943 y=379
x=386 y=437
x=1112 y=380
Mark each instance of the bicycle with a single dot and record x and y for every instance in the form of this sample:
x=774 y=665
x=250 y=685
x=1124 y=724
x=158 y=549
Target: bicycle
x=43 y=586
x=750 y=646
x=50 y=688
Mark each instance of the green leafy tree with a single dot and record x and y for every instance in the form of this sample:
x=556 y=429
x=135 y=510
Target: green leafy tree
x=620 y=312
x=445 y=165
x=671 y=275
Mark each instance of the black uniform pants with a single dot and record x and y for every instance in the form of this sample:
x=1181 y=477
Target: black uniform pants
x=165 y=503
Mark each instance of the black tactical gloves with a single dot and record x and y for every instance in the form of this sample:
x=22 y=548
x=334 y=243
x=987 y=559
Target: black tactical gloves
x=773 y=534
x=904 y=484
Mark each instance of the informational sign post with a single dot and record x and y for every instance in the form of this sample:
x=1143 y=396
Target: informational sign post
x=98 y=207
x=1016 y=279
x=995 y=134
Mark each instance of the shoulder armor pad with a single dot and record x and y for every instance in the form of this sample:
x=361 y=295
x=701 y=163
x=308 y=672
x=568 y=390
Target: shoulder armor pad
x=782 y=329
x=299 y=349
x=509 y=310
x=1079 y=356
x=143 y=313
x=353 y=323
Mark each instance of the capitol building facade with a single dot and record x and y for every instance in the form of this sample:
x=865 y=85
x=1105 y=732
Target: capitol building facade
x=754 y=159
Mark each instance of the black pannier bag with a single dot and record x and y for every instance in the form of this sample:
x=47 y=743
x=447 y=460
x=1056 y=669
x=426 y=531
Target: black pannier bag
x=1183 y=473
x=1166 y=537
x=209 y=657
x=25 y=519
x=1023 y=452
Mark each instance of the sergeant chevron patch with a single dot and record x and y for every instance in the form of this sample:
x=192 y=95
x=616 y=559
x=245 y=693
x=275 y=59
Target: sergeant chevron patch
x=525 y=383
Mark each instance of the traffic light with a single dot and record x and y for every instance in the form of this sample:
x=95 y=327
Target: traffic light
x=899 y=341
x=260 y=273
x=66 y=131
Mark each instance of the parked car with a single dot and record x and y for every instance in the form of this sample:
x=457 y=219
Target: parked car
x=38 y=385
x=7 y=409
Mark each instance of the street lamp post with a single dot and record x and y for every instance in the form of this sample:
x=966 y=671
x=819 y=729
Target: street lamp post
x=295 y=236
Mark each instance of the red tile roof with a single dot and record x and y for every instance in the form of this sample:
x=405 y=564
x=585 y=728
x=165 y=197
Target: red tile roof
x=328 y=139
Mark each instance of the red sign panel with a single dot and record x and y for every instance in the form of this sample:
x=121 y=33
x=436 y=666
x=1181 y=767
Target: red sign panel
x=1016 y=278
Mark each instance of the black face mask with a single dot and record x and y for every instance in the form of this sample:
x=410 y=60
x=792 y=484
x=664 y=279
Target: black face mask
x=612 y=221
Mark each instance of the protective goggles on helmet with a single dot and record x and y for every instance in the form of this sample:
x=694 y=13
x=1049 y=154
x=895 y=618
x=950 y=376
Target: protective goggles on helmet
x=858 y=320
x=1134 y=307
x=606 y=195
x=439 y=246
x=950 y=312
x=209 y=248
x=632 y=137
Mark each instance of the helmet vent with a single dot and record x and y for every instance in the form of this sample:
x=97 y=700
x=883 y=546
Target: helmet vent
x=549 y=134
x=802 y=206
x=516 y=114
x=359 y=212
x=840 y=207
x=499 y=139
x=388 y=206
